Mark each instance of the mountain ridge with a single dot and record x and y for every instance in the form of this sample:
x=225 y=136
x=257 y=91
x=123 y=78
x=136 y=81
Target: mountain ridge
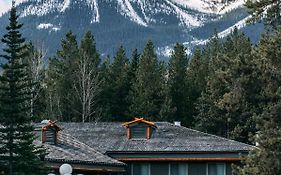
x=128 y=22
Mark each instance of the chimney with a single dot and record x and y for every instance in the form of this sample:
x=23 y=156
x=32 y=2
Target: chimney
x=50 y=132
x=177 y=123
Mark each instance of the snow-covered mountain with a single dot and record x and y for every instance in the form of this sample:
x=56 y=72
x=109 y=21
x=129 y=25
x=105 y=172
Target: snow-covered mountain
x=131 y=22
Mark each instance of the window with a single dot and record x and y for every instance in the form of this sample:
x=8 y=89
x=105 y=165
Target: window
x=216 y=169
x=50 y=135
x=140 y=169
x=178 y=169
x=197 y=168
x=138 y=131
x=159 y=169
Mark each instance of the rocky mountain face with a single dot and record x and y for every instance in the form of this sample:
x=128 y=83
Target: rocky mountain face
x=131 y=22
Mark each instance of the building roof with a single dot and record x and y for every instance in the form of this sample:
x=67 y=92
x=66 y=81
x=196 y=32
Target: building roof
x=70 y=150
x=111 y=137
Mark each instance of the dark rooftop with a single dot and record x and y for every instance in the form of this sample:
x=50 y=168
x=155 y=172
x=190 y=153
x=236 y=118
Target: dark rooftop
x=70 y=150
x=111 y=136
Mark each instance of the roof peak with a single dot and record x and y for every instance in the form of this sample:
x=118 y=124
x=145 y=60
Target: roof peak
x=139 y=120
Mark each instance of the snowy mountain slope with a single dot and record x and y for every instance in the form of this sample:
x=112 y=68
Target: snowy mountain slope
x=210 y=6
x=128 y=22
x=129 y=8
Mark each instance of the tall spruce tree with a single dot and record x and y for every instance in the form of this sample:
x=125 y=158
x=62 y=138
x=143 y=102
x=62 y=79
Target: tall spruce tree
x=265 y=159
x=177 y=86
x=196 y=80
x=61 y=76
x=134 y=63
x=119 y=86
x=148 y=91
x=105 y=94
x=88 y=47
x=230 y=99
x=18 y=154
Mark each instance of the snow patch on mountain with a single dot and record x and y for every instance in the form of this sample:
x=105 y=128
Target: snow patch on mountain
x=167 y=50
x=210 y=6
x=48 y=26
x=240 y=24
x=231 y=6
x=66 y=4
x=141 y=3
x=43 y=8
x=95 y=10
x=186 y=19
x=127 y=9
x=5 y=5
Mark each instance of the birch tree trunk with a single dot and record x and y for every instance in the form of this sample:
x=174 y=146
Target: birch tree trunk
x=36 y=66
x=87 y=88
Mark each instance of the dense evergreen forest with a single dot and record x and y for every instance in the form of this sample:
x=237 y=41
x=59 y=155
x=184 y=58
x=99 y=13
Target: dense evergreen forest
x=221 y=89
x=228 y=88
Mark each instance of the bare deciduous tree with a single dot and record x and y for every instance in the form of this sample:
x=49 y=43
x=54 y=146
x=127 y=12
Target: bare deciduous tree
x=87 y=88
x=36 y=65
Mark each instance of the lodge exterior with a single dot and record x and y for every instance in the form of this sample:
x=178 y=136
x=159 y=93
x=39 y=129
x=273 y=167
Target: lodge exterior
x=138 y=147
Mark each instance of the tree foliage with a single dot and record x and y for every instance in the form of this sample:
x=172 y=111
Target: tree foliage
x=148 y=90
x=18 y=154
x=265 y=160
x=267 y=10
x=73 y=83
x=177 y=86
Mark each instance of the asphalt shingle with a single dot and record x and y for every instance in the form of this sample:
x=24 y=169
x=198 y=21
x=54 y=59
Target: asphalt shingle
x=71 y=150
x=111 y=136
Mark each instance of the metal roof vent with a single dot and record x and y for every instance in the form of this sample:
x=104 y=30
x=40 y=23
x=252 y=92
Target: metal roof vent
x=177 y=123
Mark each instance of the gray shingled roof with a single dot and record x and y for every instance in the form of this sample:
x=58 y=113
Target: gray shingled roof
x=70 y=150
x=111 y=136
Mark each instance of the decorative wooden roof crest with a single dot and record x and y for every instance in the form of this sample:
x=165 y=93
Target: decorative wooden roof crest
x=51 y=124
x=139 y=120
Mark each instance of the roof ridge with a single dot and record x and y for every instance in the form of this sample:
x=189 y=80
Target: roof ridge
x=84 y=145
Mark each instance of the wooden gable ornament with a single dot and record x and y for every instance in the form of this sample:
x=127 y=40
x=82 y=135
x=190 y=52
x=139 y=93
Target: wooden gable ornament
x=50 y=133
x=139 y=128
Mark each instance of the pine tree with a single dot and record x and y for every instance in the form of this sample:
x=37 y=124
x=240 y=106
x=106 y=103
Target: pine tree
x=119 y=86
x=148 y=91
x=265 y=160
x=61 y=74
x=177 y=86
x=134 y=63
x=230 y=100
x=88 y=47
x=269 y=11
x=105 y=94
x=18 y=154
x=196 y=80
